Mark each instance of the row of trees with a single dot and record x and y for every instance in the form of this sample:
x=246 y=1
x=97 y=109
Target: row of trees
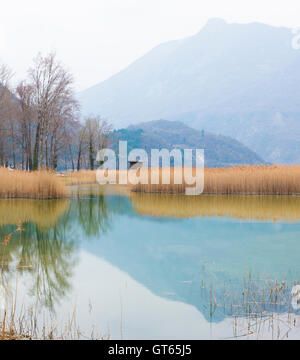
x=40 y=125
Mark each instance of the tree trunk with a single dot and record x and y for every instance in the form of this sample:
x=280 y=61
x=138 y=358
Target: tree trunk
x=71 y=156
x=36 y=149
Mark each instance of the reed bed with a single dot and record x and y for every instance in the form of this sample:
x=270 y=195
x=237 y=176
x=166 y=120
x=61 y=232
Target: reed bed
x=258 y=306
x=88 y=177
x=249 y=180
x=32 y=185
x=261 y=180
x=82 y=177
x=263 y=308
x=32 y=323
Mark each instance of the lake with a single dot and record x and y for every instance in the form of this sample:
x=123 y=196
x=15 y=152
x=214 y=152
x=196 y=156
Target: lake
x=150 y=266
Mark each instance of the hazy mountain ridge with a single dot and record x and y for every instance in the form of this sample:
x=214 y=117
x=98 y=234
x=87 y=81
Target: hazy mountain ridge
x=239 y=80
x=219 y=150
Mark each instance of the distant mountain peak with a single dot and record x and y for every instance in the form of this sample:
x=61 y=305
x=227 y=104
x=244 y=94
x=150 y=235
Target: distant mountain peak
x=230 y=79
x=215 y=22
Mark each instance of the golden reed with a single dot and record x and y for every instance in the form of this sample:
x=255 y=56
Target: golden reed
x=249 y=180
x=246 y=180
x=82 y=177
x=32 y=185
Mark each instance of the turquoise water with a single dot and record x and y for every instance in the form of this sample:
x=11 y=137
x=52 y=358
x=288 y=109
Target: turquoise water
x=136 y=275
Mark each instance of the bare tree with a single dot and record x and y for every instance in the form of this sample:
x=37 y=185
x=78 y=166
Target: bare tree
x=6 y=106
x=39 y=121
x=27 y=123
x=92 y=138
x=52 y=85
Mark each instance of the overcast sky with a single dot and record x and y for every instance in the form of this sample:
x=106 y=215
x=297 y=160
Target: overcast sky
x=97 y=38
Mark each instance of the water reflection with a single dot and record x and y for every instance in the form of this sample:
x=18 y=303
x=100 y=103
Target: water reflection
x=46 y=257
x=44 y=214
x=199 y=251
x=263 y=208
x=93 y=215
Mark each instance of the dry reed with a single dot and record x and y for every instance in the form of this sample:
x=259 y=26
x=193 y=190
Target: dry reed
x=82 y=177
x=262 y=310
x=260 y=307
x=250 y=180
x=31 y=323
x=34 y=185
x=88 y=177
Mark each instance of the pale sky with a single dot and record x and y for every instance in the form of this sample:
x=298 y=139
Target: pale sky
x=97 y=38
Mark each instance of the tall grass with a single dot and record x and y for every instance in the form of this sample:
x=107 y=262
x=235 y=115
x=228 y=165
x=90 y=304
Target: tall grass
x=25 y=316
x=32 y=323
x=88 y=177
x=82 y=177
x=260 y=307
x=251 y=180
x=34 y=185
x=261 y=180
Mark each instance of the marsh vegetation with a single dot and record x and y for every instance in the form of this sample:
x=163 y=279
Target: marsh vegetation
x=250 y=180
x=246 y=180
x=36 y=185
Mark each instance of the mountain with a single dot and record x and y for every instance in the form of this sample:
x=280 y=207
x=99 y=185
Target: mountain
x=240 y=80
x=219 y=150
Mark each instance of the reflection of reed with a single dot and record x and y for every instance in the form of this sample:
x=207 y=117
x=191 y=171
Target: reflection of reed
x=274 y=208
x=260 y=307
x=44 y=213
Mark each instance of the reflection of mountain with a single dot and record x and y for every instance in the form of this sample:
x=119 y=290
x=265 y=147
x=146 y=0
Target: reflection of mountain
x=177 y=258
x=166 y=254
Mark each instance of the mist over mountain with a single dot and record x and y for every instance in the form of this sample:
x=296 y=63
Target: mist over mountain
x=162 y=134
x=238 y=80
